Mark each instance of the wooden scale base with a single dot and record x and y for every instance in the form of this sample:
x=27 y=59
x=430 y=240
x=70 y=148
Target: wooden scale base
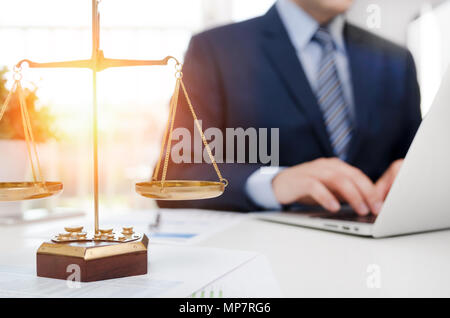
x=97 y=259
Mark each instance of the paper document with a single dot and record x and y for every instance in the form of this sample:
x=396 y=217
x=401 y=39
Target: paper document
x=174 y=271
x=253 y=279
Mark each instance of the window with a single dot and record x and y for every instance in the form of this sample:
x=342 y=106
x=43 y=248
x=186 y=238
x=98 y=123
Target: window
x=132 y=101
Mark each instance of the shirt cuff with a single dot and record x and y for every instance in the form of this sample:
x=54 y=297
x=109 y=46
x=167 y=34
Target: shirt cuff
x=259 y=188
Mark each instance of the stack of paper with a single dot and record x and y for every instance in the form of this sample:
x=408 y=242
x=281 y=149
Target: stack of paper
x=174 y=271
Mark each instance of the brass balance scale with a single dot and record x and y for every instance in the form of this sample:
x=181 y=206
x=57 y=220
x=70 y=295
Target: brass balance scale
x=104 y=254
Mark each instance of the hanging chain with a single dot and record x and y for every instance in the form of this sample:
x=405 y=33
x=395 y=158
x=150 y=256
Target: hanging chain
x=6 y=102
x=169 y=141
x=166 y=131
x=28 y=132
x=169 y=129
x=199 y=128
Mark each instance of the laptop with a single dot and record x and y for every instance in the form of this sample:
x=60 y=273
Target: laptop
x=419 y=199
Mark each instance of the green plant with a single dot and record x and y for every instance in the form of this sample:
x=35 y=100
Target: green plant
x=42 y=120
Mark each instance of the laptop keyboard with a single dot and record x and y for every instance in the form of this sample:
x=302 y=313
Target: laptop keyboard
x=350 y=217
x=345 y=214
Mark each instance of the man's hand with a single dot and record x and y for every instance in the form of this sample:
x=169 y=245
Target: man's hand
x=325 y=181
x=383 y=185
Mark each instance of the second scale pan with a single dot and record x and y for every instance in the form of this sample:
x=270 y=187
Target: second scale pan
x=18 y=191
x=180 y=189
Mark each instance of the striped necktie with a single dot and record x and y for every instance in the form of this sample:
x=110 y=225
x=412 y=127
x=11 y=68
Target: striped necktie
x=330 y=96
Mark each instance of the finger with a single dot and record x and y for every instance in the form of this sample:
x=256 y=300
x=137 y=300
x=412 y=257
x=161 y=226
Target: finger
x=395 y=168
x=338 y=169
x=347 y=189
x=319 y=192
x=384 y=184
x=365 y=186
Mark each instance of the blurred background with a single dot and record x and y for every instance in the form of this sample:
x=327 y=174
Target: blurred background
x=133 y=101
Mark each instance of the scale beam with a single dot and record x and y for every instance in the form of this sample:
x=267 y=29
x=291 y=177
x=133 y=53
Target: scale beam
x=99 y=64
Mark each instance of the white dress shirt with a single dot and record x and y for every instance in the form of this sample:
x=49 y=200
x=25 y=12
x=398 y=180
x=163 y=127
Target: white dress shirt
x=301 y=28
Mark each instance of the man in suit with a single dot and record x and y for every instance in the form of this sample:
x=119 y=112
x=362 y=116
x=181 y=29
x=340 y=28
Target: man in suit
x=346 y=103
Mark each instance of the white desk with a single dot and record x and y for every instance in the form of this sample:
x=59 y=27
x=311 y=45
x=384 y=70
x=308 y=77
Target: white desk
x=313 y=263
x=310 y=263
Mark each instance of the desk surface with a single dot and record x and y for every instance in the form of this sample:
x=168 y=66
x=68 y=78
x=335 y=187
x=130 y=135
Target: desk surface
x=313 y=263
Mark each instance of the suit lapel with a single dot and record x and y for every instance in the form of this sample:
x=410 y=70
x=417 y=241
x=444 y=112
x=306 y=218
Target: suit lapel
x=364 y=68
x=282 y=55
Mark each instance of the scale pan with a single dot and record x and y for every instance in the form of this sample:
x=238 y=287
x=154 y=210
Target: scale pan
x=180 y=189
x=18 y=191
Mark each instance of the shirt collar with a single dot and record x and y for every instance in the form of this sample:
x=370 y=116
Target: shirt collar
x=301 y=27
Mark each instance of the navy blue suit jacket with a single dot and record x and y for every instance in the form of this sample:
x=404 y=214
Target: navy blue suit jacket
x=248 y=75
